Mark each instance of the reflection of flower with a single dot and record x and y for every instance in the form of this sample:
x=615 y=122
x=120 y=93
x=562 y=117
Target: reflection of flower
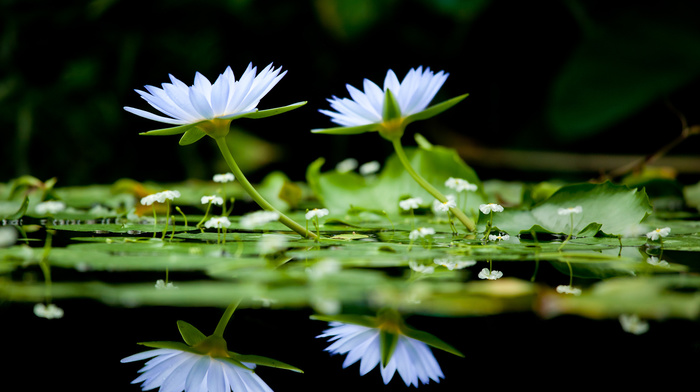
x=161 y=285
x=203 y=101
x=490 y=275
x=454 y=263
x=217 y=222
x=346 y=165
x=658 y=233
x=411 y=358
x=421 y=232
x=653 y=260
x=570 y=210
x=411 y=203
x=317 y=213
x=369 y=168
x=50 y=207
x=49 y=311
x=421 y=268
x=178 y=370
x=226 y=177
x=633 y=324
x=562 y=289
x=258 y=218
x=272 y=243
x=498 y=237
x=490 y=207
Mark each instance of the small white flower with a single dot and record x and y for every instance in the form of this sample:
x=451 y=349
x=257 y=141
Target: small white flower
x=148 y=200
x=658 y=233
x=570 y=210
x=217 y=222
x=653 y=260
x=369 y=168
x=411 y=358
x=444 y=207
x=49 y=311
x=411 y=203
x=258 y=218
x=490 y=275
x=50 y=207
x=167 y=195
x=176 y=370
x=161 y=285
x=226 y=177
x=421 y=232
x=346 y=165
x=633 y=324
x=566 y=289
x=316 y=213
x=421 y=268
x=454 y=263
x=8 y=236
x=439 y=208
x=218 y=200
x=498 y=237
x=490 y=207
x=271 y=243
x=460 y=185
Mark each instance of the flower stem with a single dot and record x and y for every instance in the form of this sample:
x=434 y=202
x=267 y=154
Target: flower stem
x=223 y=322
x=468 y=223
x=571 y=233
x=221 y=142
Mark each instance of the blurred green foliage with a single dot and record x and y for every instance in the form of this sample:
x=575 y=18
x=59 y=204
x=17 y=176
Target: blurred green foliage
x=553 y=75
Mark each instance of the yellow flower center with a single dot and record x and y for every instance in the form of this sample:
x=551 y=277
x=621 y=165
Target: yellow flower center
x=217 y=127
x=213 y=346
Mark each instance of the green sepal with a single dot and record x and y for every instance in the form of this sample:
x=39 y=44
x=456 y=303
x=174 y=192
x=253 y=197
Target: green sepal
x=387 y=345
x=190 y=334
x=264 y=361
x=237 y=363
x=191 y=135
x=430 y=340
x=365 y=321
x=348 y=130
x=391 y=109
x=434 y=110
x=274 y=111
x=171 y=345
x=171 y=131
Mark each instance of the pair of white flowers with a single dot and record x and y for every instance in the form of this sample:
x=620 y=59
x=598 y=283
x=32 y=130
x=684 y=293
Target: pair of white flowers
x=316 y=213
x=460 y=185
x=160 y=197
x=350 y=164
x=50 y=207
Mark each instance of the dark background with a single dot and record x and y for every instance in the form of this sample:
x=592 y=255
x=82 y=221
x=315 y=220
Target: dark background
x=591 y=77
x=578 y=77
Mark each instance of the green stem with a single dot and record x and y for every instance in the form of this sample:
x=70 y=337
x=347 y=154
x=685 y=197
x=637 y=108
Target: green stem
x=221 y=142
x=223 y=322
x=468 y=223
x=571 y=232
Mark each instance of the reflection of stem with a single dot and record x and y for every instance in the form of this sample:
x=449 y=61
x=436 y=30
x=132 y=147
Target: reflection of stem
x=221 y=326
x=45 y=267
x=571 y=275
x=537 y=255
x=571 y=232
x=221 y=142
x=468 y=223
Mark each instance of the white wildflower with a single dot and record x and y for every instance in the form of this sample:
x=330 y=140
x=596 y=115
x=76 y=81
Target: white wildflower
x=490 y=275
x=490 y=207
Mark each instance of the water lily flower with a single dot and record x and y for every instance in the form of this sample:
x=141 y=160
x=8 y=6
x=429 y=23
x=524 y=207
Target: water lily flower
x=568 y=289
x=410 y=203
x=346 y=165
x=218 y=200
x=217 y=222
x=201 y=364
x=369 y=168
x=499 y=237
x=490 y=207
x=49 y=311
x=385 y=341
x=633 y=324
x=445 y=207
x=223 y=178
x=653 y=260
x=570 y=210
x=460 y=184
x=454 y=263
x=421 y=268
x=490 y=274
x=258 y=218
x=50 y=207
x=316 y=213
x=421 y=232
x=658 y=233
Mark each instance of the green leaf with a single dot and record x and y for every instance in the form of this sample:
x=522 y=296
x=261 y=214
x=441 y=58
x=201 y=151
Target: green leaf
x=430 y=340
x=170 y=345
x=274 y=111
x=387 y=345
x=615 y=208
x=171 y=131
x=391 y=109
x=264 y=361
x=21 y=211
x=191 y=136
x=348 y=130
x=365 y=321
x=435 y=109
x=190 y=334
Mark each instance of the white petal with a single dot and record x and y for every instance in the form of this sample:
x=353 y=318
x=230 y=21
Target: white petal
x=196 y=377
x=176 y=381
x=391 y=82
x=202 y=85
x=220 y=95
x=201 y=104
x=154 y=117
x=215 y=377
x=241 y=89
x=374 y=94
x=362 y=100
